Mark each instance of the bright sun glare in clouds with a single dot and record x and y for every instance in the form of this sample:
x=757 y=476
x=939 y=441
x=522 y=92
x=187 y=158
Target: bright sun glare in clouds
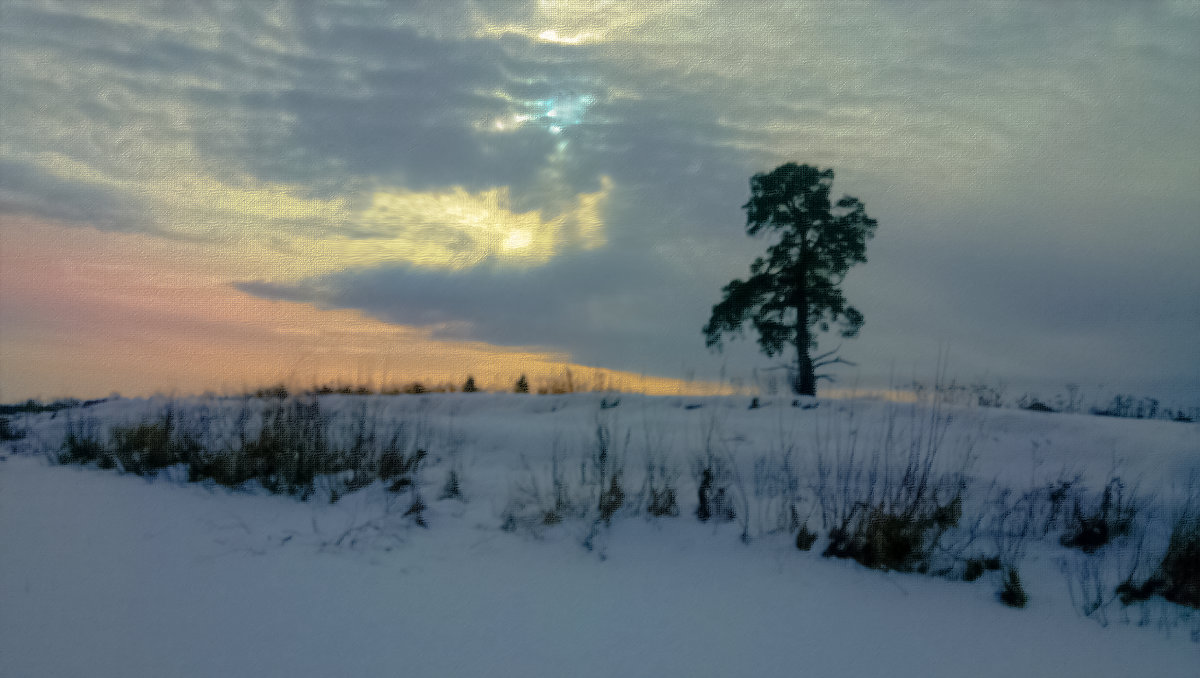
x=458 y=228
x=553 y=36
x=410 y=139
x=449 y=228
x=517 y=240
x=554 y=114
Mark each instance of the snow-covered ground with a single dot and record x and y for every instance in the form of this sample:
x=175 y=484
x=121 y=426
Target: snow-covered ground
x=103 y=574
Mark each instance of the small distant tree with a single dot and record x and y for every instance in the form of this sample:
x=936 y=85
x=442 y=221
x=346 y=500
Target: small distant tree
x=522 y=385
x=469 y=385
x=795 y=289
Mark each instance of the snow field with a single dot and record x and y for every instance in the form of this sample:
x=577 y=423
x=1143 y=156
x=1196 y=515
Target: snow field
x=103 y=574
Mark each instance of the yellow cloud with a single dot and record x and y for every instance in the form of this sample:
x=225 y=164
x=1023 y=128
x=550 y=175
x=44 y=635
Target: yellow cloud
x=553 y=36
x=458 y=228
x=578 y=22
x=189 y=202
x=277 y=230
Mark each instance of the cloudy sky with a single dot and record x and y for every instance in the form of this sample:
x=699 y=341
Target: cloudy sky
x=211 y=195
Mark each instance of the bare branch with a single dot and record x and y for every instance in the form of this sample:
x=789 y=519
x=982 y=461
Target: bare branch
x=827 y=353
x=833 y=361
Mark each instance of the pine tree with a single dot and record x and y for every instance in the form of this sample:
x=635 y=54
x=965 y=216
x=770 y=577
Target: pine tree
x=795 y=289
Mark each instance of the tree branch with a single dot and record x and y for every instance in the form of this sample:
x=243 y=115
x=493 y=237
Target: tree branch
x=833 y=361
x=825 y=355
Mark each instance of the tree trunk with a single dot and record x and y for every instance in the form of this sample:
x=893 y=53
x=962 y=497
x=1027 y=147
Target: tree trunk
x=806 y=380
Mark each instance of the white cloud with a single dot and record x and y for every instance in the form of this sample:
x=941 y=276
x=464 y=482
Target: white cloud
x=310 y=139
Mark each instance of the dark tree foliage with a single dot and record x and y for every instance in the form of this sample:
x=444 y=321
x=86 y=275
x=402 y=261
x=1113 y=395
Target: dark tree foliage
x=794 y=290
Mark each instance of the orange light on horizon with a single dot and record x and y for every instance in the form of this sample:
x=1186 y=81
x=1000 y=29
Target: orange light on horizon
x=86 y=313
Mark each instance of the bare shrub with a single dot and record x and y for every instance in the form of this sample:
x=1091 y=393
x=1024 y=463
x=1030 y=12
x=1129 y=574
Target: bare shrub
x=714 y=489
x=8 y=432
x=1176 y=576
x=715 y=476
x=278 y=391
x=975 y=567
x=1012 y=593
x=1058 y=493
x=82 y=444
x=1008 y=521
x=777 y=490
x=659 y=493
x=805 y=538
x=283 y=444
x=1089 y=578
x=1109 y=517
x=143 y=448
x=453 y=487
x=888 y=539
x=148 y=447
x=607 y=467
x=661 y=487
x=290 y=449
x=1179 y=570
x=602 y=478
x=400 y=467
x=285 y=453
x=543 y=499
x=353 y=465
x=890 y=509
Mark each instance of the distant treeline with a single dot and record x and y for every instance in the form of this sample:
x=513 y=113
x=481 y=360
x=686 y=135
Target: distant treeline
x=1122 y=405
x=35 y=407
x=1125 y=406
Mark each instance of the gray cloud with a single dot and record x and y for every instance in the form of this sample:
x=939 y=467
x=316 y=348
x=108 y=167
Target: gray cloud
x=614 y=309
x=29 y=190
x=1039 y=316
x=1033 y=169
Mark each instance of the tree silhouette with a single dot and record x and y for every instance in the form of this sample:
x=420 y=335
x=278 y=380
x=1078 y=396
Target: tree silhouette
x=522 y=385
x=795 y=288
x=469 y=385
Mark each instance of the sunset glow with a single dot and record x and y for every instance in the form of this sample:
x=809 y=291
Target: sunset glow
x=219 y=195
x=87 y=313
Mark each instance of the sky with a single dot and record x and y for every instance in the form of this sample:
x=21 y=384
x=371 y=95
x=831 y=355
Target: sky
x=218 y=195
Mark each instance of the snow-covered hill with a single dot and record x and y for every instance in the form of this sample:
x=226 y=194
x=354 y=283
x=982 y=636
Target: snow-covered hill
x=105 y=573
